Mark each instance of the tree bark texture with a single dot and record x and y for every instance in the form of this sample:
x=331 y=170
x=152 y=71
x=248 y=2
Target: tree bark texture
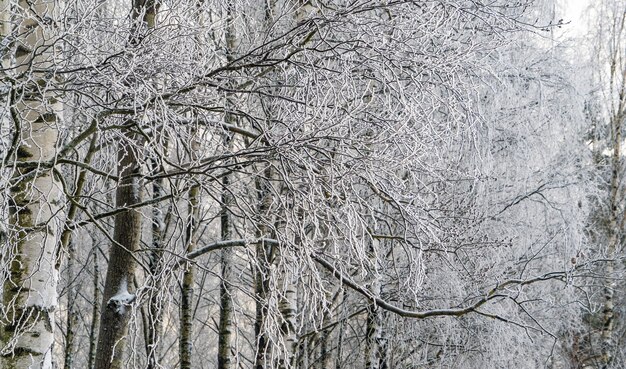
x=117 y=299
x=95 y=314
x=186 y=303
x=116 y=308
x=224 y=359
x=264 y=259
x=36 y=197
x=224 y=356
x=155 y=265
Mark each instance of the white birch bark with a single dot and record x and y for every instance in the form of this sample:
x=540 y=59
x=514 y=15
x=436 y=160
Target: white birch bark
x=29 y=294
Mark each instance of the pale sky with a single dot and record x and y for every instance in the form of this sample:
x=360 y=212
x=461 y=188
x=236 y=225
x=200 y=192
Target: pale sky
x=574 y=13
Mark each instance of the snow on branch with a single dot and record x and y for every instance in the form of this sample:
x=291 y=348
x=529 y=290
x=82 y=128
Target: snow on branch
x=347 y=281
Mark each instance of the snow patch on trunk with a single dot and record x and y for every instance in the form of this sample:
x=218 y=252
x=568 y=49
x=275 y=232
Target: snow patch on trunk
x=122 y=298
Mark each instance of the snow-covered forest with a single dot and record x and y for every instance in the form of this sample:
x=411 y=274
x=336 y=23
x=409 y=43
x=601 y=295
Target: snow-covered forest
x=299 y=184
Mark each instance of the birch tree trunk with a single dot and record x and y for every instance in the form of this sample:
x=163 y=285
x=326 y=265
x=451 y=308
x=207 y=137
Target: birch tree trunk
x=36 y=198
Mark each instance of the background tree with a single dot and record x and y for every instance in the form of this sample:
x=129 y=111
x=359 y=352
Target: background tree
x=605 y=109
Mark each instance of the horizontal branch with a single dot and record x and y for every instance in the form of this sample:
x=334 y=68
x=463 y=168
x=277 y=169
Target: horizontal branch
x=224 y=244
x=347 y=281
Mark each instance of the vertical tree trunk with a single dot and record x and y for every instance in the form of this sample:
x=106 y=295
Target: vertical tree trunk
x=95 y=310
x=374 y=330
x=264 y=256
x=287 y=308
x=287 y=303
x=68 y=244
x=607 y=344
x=29 y=295
x=115 y=313
x=326 y=357
x=372 y=337
x=186 y=313
x=340 y=335
x=72 y=315
x=155 y=266
x=262 y=279
x=126 y=237
x=614 y=17
x=224 y=357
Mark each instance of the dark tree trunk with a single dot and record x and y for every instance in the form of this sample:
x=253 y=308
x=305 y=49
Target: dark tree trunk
x=120 y=273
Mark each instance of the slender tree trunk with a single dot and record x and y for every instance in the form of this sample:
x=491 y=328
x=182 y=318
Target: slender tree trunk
x=372 y=337
x=340 y=335
x=287 y=308
x=326 y=357
x=617 y=89
x=264 y=252
x=68 y=244
x=264 y=257
x=608 y=312
x=287 y=303
x=95 y=312
x=226 y=300
x=224 y=357
x=72 y=315
x=29 y=295
x=373 y=331
x=262 y=279
x=155 y=265
x=186 y=313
